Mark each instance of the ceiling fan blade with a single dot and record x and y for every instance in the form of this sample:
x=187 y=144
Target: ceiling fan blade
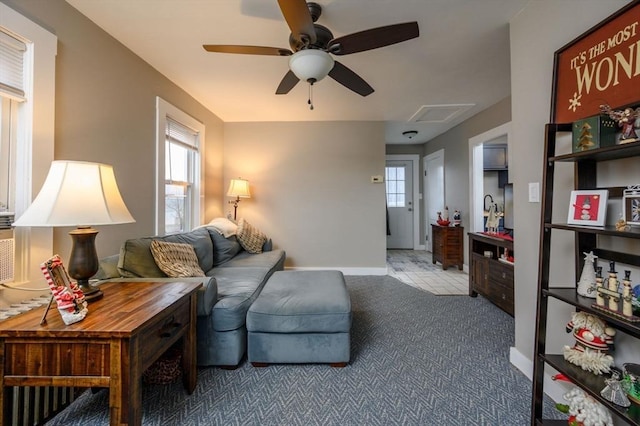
x=288 y=82
x=350 y=79
x=247 y=50
x=373 y=38
x=296 y=13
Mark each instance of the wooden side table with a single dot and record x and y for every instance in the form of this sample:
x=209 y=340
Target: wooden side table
x=447 y=245
x=122 y=335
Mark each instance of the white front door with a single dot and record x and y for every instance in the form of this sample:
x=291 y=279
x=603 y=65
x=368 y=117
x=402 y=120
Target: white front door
x=434 y=189
x=400 y=208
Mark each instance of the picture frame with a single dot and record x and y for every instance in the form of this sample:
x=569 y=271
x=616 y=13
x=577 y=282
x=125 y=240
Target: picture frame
x=588 y=207
x=631 y=205
x=576 y=93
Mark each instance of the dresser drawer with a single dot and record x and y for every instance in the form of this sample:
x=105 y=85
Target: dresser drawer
x=161 y=334
x=501 y=274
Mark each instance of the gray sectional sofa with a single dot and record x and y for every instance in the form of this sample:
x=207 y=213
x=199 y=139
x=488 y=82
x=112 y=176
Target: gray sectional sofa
x=234 y=278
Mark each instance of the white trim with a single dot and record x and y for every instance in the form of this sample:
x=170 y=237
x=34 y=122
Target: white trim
x=163 y=110
x=415 y=159
x=427 y=225
x=476 y=174
x=36 y=132
x=553 y=388
x=344 y=270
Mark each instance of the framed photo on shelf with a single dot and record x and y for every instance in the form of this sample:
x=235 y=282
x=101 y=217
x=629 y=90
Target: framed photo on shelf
x=631 y=205
x=588 y=207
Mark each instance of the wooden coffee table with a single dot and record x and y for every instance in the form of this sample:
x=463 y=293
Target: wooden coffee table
x=122 y=335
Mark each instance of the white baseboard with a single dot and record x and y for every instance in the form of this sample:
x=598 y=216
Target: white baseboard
x=553 y=388
x=344 y=270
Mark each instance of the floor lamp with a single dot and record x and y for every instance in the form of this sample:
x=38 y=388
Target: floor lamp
x=82 y=194
x=238 y=188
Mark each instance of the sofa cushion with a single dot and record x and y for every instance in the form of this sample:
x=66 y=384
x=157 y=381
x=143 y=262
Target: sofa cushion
x=176 y=259
x=201 y=242
x=136 y=259
x=237 y=289
x=224 y=249
x=267 y=259
x=250 y=238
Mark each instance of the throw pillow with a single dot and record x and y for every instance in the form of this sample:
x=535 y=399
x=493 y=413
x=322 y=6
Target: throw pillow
x=176 y=259
x=224 y=226
x=250 y=238
x=224 y=249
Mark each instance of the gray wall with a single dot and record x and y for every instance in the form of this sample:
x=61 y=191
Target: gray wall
x=105 y=112
x=531 y=75
x=312 y=191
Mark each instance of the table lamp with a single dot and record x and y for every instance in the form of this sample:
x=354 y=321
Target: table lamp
x=78 y=193
x=238 y=188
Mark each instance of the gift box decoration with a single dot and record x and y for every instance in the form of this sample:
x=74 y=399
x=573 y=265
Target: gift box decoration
x=594 y=132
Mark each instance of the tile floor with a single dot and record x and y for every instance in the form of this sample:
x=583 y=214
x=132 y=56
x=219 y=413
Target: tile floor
x=415 y=268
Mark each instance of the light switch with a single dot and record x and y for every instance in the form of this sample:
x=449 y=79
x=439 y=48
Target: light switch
x=534 y=192
x=377 y=179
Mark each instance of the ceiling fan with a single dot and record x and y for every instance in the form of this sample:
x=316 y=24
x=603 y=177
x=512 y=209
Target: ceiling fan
x=313 y=44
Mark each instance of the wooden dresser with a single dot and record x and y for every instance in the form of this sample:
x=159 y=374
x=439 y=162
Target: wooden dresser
x=489 y=274
x=447 y=245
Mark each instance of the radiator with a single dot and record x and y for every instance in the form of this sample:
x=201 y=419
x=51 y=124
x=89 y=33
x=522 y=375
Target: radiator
x=34 y=405
x=7 y=251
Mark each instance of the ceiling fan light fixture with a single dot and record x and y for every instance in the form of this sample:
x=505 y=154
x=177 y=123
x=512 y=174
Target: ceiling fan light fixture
x=311 y=64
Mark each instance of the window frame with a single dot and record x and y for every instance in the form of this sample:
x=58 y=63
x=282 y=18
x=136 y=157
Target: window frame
x=163 y=110
x=35 y=135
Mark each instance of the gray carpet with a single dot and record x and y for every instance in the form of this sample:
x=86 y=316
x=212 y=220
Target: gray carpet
x=417 y=359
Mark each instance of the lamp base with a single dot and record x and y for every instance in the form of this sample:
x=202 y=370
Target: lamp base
x=83 y=261
x=91 y=294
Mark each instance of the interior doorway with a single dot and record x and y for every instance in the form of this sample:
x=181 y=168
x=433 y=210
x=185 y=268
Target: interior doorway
x=476 y=176
x=403 y=210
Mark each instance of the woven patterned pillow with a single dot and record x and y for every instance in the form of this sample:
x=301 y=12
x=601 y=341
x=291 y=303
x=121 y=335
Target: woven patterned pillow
x=176 y=259
x=250 y=238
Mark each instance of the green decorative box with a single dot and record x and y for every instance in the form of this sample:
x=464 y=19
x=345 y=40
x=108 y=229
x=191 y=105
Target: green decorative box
x=594 y=132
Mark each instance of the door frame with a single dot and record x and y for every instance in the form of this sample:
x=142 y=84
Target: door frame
x=476 y=177
x=436 y=154
x=415 y=159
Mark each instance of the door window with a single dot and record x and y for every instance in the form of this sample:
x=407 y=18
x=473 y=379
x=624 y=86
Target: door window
x=395 y=181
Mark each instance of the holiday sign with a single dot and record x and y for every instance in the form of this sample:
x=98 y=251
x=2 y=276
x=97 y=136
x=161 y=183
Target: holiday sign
x=600 y=67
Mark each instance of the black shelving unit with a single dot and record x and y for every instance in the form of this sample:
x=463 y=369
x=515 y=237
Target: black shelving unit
x=586 y=239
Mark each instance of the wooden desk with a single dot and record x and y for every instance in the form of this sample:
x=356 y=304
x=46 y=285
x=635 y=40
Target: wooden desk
x=122 y=335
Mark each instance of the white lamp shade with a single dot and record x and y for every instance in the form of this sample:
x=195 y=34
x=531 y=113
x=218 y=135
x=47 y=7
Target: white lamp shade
x=311 y=64
x=239 y=188
x=77 y=193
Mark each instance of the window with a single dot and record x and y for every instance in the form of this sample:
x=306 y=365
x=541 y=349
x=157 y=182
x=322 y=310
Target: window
x=27 y=105
x=395 y=177
x=12 y=52
x=180 y=186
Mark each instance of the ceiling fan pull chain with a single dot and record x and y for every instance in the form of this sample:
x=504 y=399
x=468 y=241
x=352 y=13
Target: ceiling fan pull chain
x=310 y=101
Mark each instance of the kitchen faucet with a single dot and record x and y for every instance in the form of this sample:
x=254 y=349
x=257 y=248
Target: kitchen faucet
x=485 y=201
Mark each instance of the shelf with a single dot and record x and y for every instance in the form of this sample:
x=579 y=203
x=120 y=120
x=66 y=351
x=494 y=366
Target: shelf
x=593 y=385
x=570 y=296
x=602 y=154
x=633 y=232
x=606 y=242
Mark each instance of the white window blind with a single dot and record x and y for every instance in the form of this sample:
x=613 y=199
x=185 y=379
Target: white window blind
x=12 y=53
x=179 y=138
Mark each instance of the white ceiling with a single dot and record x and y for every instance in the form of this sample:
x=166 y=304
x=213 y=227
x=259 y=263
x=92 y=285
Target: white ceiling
x=460 y=58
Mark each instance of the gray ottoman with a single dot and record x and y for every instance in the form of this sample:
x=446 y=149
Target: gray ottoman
x=300 y=317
